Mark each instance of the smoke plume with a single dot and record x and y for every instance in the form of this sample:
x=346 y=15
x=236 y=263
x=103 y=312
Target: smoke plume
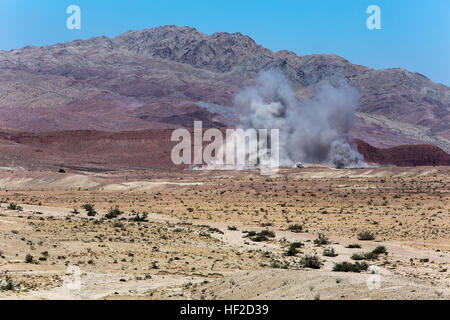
x=313 y=131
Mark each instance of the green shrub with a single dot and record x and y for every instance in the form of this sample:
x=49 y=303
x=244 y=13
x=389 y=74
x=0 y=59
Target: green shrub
x=113 y=213
x=275 y=265
x=311 y=261
x=354 y=246
x=357 y=256
x=138 y=218
x=379 y=250
x=329 y=252
x=266 y=224
x=364 y=256
x=118 y=224
x=8 y=284
x=321 y=240
x=350 y=267
x=29 y=258
x=14 y=206
x=88 y=206
x=216 y=230
x=366 y=235
x=293 y=248
x=89 y=209
x=268 y=233
x=262 y=236
x=295 y=228
x=259 y=238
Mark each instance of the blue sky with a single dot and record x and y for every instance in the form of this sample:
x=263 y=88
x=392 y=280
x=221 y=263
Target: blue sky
x=415 y=34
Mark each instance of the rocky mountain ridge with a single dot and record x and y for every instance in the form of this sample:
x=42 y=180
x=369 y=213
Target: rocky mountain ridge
x=155 y=78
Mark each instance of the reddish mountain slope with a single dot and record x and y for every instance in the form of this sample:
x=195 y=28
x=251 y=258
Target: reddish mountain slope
x=404 y=155
x=94 y=150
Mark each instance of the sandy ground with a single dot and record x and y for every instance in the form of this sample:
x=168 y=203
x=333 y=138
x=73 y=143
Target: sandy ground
x=194 y=243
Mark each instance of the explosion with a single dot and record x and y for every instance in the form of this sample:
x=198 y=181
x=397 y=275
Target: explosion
x=315 y=130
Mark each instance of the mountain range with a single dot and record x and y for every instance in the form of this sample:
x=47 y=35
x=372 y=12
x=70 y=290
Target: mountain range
x=169 y=76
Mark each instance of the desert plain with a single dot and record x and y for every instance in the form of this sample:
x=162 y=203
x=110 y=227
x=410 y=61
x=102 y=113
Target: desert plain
x=186 y=234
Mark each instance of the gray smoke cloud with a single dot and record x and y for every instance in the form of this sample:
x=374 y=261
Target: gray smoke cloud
x=314 y=131
x=344 y=156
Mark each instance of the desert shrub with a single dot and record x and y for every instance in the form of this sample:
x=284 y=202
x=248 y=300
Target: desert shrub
x=92 y=213
x=266 y=224
x=75 y=211
x=364 y=256
x=232 y=228
x=268 y=233
x=298 y=244
x=350 y=267
x=379 y=250
x=311 y=261
x=8 y=284
x=138 y=218
x=88 y=206
x=29 y=258
x=14 y=206
x=118 y=224
x=113 y=213
x=278 y=265
x=357 y=256
x=259 y=236
x=292 y=251
x=293 y=248
x=329 y=252
x=295 y=228
x=373 y=255
x=354 y=246
x=366 y=235
x=250 y=233
x=321 y=240
x=89 y=209
x=275 y=265
x=210 y=229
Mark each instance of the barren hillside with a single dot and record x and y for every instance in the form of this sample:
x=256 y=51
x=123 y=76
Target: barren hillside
x=156 y=78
